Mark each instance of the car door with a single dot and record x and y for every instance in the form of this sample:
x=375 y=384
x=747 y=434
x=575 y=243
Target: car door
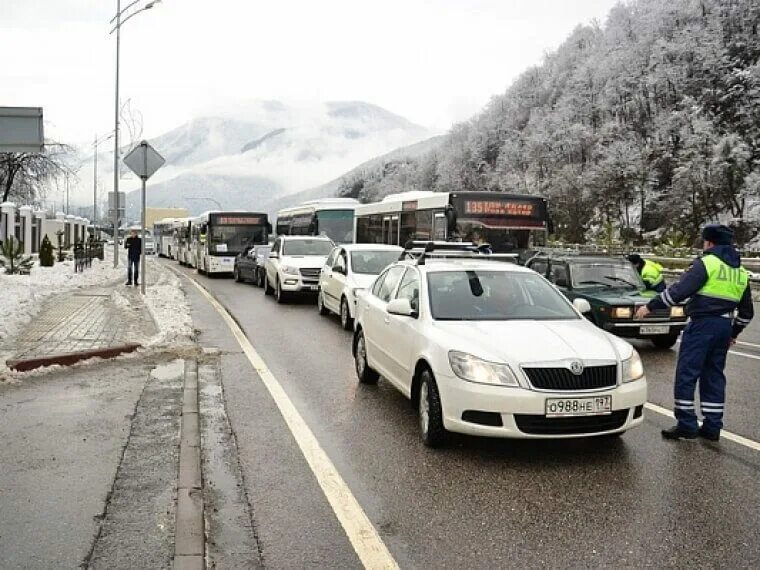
x=338 y=281
x=326 y=276
x=378 y=337
x=273 y=263
x=403 y=333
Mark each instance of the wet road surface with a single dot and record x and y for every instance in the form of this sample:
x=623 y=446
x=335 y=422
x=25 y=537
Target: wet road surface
x=636 y=501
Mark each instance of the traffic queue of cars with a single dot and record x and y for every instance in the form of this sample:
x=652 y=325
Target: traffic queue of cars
x=478 y=345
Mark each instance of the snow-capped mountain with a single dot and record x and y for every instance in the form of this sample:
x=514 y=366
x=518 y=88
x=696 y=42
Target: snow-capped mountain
x=247 y=157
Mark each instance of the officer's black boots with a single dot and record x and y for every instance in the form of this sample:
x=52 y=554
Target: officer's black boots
x=709 y=435
x=677 y=433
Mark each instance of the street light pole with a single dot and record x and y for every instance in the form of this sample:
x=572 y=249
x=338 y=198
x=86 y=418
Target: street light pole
x=95 y=144
x=116 y=144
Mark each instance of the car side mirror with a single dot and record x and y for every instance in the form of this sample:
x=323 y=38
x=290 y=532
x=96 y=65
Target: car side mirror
x=582 y=306
x=401 y=307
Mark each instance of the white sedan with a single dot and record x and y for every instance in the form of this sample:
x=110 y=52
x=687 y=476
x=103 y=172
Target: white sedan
x=348 y=270
x=493 y=349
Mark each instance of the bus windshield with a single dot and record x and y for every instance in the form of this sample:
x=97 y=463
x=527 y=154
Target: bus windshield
x=232 y=239
x=338 y=225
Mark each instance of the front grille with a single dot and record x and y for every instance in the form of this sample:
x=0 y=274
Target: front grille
x=659 y=314
x=592 y=377
x=308 y=273
x=541 y=425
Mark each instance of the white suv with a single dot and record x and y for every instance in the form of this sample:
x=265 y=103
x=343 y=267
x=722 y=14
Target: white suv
x=294 y=264
x=489 y=348
x=348 y=270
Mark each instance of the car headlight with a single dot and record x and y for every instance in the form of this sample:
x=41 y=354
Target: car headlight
x=473 y=369
x=288 y=270
x=622 y=313
x=633 y=368
x=677 y=312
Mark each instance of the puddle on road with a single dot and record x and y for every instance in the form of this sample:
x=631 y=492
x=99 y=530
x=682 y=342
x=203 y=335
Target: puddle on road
x=170 y=371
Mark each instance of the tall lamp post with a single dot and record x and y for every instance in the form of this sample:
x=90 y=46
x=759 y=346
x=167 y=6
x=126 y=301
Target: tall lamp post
x=119 y=22
x=95 y=144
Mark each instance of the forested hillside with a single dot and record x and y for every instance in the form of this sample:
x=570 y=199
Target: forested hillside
x=649 y=122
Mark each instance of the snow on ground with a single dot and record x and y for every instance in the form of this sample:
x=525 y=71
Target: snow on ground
x=21 y=296
x=168 y=305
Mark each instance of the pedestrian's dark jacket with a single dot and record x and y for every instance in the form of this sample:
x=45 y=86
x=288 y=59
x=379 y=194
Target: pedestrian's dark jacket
x=134 y=247
x=700 y=306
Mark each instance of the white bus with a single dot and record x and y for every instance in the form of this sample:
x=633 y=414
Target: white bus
x=182 y=241
x=163 y=231
x=333 y=217
x=217 y=237
x=510 y=223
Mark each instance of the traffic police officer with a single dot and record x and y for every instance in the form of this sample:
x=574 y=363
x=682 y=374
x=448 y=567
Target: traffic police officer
x=716 y=285
x=650 y=272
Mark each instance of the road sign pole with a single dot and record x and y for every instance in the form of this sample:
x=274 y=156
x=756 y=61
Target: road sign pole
x=142 y=223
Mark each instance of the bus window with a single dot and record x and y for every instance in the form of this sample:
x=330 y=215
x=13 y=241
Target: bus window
x=390 y=230
x=338 y=225
x=439 y=226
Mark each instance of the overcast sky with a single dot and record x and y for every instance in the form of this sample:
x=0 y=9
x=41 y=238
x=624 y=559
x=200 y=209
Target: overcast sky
x=433 y=61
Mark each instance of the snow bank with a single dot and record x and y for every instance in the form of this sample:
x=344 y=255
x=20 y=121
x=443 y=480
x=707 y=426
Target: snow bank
x=169 y=308
x=21 y=295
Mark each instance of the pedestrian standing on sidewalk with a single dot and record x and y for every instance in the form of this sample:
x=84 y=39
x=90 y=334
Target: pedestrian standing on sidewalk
x=719 y=308
x=133 y=245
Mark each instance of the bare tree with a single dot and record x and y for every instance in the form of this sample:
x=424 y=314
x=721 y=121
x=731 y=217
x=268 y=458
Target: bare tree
x=24 y=175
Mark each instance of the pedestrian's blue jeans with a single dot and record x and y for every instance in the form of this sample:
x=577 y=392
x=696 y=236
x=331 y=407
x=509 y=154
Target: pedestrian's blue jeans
x=702 y=358
x=133 y=268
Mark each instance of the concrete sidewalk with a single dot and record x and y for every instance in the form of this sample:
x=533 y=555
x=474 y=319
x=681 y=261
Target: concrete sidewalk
x=82 y=324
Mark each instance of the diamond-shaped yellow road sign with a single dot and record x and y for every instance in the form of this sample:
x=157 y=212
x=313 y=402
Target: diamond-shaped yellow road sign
x=144 y=160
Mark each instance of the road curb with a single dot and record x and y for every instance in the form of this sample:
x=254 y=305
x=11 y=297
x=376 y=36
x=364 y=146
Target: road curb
x=189 y=536
x=69 y=358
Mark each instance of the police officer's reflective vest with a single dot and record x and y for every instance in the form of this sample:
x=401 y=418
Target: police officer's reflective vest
x=723 y=281
x=651 y=273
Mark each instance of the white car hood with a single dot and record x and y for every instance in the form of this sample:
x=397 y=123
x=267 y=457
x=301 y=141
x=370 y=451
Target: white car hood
x=362 y=280
x=534 y=342
x=307 y=261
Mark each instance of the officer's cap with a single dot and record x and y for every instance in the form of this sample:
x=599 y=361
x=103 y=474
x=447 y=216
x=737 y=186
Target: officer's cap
x=718 y=234
x=634 y=258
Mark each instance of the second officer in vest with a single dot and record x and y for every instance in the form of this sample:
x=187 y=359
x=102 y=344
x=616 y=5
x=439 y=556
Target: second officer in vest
x=719 y=307
x=650 y=271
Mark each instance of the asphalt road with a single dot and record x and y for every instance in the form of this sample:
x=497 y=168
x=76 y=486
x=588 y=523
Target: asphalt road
x=635 y=502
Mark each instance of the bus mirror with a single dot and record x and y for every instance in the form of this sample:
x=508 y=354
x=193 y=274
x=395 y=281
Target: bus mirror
x=269 y=227
x=451 y=219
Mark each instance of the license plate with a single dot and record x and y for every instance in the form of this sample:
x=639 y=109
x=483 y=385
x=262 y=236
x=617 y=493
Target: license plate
x=567 y=407
x=654 y=329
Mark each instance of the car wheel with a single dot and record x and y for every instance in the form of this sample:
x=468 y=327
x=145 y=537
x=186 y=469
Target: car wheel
x=345 y=316
x=279 y=294
x=236 y=275
x=321 y=304
x=267 y=289
x=259 y=278
x=365 y=374
x=665 y=342
x=430 y=411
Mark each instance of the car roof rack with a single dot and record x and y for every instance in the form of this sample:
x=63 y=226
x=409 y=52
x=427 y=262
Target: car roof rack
x=421 y=251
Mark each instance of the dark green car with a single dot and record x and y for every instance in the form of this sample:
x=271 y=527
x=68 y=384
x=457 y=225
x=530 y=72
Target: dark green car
x=614 y=290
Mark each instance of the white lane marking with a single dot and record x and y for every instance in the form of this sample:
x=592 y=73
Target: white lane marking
x=752 y=344
x=363 y=536
x=723 y=434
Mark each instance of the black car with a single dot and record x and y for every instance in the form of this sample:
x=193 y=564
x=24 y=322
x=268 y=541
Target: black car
x=614 y=290
x=249 y=264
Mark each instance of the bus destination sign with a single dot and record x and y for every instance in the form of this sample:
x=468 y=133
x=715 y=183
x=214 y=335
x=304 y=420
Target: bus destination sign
x=498 y=208
x=240 y=220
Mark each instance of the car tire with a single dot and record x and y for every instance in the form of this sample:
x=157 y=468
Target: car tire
x=365 y=374
x=236 y=275
x=430 y=411
x=259 y=278
x=267 y=288
x=279 y=294
x=324 y=311
x=665 y=342
x=345 y=316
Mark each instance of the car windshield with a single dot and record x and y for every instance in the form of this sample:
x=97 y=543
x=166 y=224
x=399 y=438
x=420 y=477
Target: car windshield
x=372 y=262
x=609 y=275
x=307 y=247
x=477 y=295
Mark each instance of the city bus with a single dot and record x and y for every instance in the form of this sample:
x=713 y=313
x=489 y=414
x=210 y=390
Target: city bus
x=182 y=243
x=163 y=232
x=333 y=217
x=509 y=223
x=217 y=237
